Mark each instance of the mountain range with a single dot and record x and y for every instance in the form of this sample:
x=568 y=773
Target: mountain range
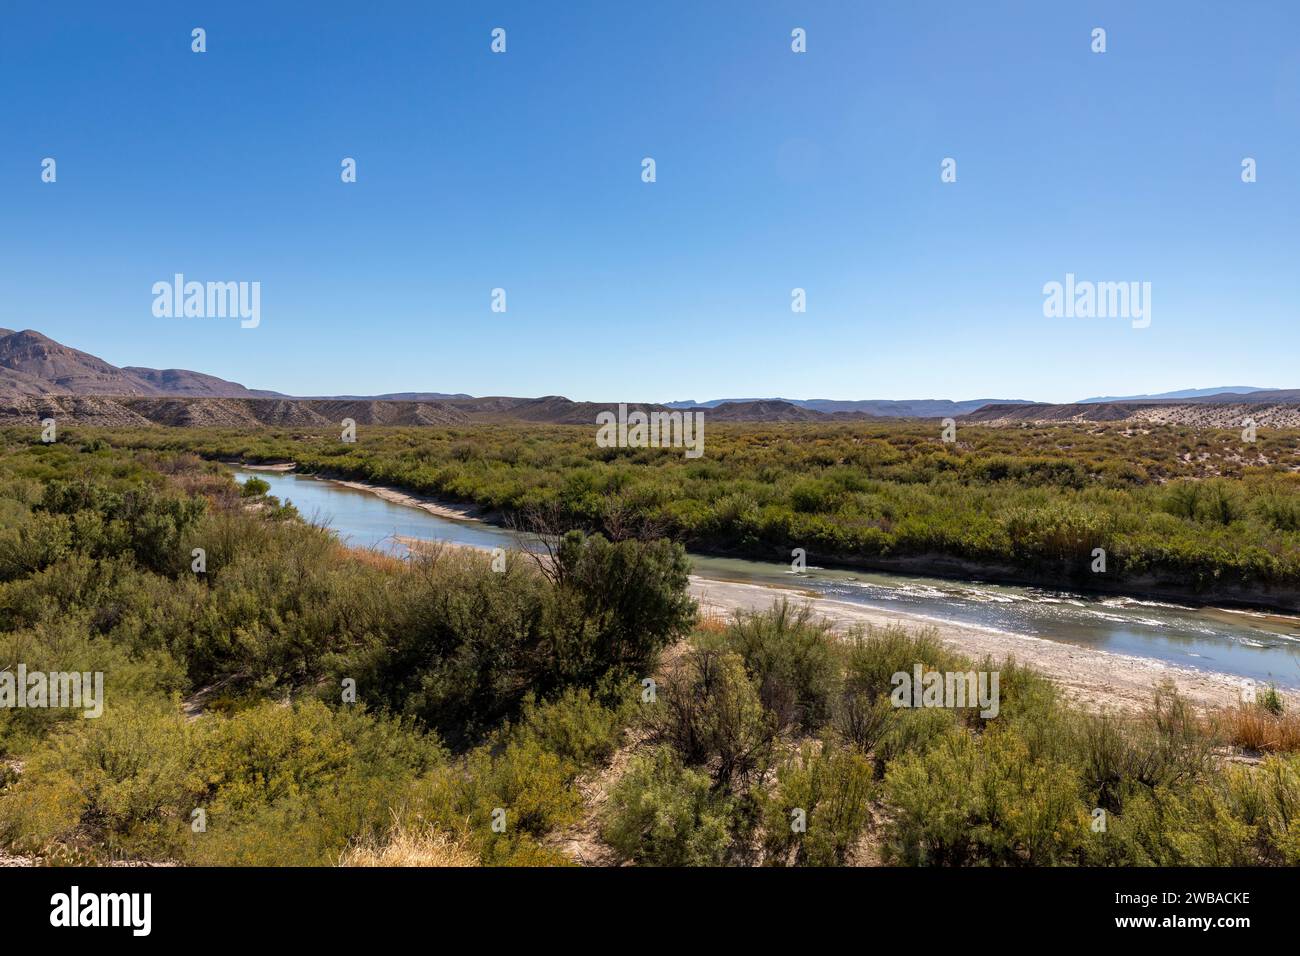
x=939 y=407
x=880 y=408
x=41 y=376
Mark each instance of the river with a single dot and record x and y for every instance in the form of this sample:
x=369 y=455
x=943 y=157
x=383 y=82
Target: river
x=1261 y=646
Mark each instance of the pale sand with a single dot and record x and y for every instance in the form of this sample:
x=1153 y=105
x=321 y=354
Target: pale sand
x=434 y=506
x=1093 y=678
x=282 y=466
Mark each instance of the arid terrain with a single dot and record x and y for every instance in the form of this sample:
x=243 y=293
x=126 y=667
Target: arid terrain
x=41 y=378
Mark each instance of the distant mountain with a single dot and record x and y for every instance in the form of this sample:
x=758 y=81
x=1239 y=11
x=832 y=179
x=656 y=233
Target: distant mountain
x=1263 y=396
x=180 y=383
x=1184 y=394
x=883 y=408
x=39 y=377
x=32 y=364
x=398 y=397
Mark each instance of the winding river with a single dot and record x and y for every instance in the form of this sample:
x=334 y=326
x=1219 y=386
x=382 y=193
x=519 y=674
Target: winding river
x=1257 y=645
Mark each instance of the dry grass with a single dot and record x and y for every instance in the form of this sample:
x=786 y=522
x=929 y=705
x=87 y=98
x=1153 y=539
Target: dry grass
x=712 y=621
x=414 y=846
x=374 y=558
x=1253 y=728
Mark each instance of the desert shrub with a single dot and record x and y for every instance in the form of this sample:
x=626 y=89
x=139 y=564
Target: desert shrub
x=1182 y=499
x=277 y=784
x=123 y=784
x=662 y=813
x=711 y=714
x=832 y=788
x=1163 y=827
x=308 y=827
x=1269 y=799
x=1279 y=511
x=531 y=784
x=575 y=726
x=462 y=649
x=1220 y=502
x=1271 y=702
x=972 y=799
x=467 y=646
x=36 y=543
x=912 y=731
x=861 y=721
x=151 y=523
x=875 y=655
x=63 y=643
x=1025 y=695
x=793 y=659
x=264 y=754
x=1166 y=747
x=618 y=605
x=254 y=488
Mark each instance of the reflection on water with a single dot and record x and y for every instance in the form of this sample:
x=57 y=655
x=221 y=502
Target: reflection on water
x=1261 y=646
x=364 y=520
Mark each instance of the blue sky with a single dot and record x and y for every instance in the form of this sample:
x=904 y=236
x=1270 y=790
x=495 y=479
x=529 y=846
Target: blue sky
x=775 y=170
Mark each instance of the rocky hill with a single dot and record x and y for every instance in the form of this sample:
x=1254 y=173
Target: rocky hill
x=33 y=364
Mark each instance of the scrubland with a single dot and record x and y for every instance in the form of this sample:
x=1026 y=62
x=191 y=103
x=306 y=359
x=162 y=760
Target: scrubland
x=296 y=702
x=1198 y=513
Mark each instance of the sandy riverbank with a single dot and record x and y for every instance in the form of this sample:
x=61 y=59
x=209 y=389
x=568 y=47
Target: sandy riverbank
x=279 y=466
x=434 y=506
x=1093 y=678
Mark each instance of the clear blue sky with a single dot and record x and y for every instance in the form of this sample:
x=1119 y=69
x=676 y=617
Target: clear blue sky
x=775 y=170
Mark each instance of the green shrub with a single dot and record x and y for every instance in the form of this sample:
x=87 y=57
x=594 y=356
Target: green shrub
x=254 y=488
x=662 y=813
x=862 y=721
x=128 y=784
x=794 y=660
x=981 y=799
x=819 y=808
x=912 y=731
x=1165 y=748
x=711 y=714
x=123 y=784
x=575 y=726
x=875 y=655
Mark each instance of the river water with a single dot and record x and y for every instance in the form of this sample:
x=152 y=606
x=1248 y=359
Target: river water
x=1257 y=645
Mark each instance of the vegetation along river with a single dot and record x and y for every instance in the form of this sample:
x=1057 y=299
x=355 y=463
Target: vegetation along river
x=1259 y=645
